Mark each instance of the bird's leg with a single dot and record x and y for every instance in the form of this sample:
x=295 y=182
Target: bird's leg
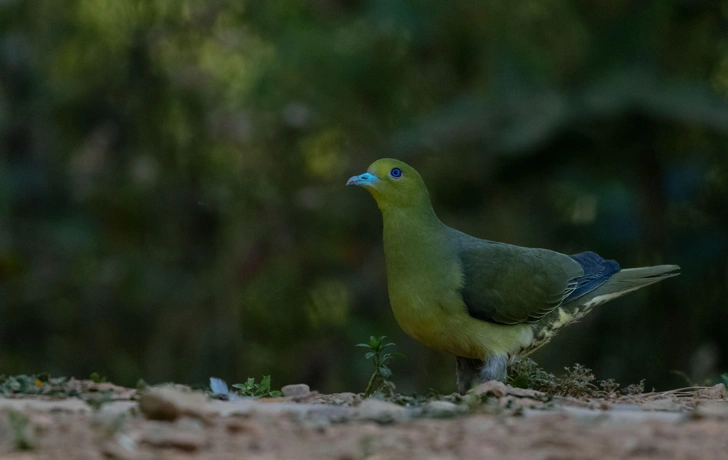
x=466 y=371
x=495 y=368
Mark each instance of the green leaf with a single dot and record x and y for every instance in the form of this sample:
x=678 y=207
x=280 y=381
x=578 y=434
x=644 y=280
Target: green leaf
x=386 y=373
x=365 y=345
x=369 y=355
x=259 y=390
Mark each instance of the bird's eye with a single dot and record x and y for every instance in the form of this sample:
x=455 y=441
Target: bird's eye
x=396 y=173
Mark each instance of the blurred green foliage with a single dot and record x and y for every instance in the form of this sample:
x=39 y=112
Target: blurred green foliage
x=171 y=176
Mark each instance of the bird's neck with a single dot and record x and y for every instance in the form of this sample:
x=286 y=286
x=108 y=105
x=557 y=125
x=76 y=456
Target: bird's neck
x=413 y=237
x=421 y=267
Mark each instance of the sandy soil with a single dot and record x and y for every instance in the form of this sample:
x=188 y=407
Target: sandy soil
x=500 y=423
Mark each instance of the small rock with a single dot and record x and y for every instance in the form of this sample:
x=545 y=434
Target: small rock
x=443 y=409
x=335 y=399
x=299 y=390
x=715 y=392
x=380 y=411
x=169 y=404
x=492 y=388
x=524 y=393
x=712 y=409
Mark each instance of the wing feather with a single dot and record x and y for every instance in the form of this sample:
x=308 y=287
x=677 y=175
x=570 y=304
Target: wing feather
x=509 y=284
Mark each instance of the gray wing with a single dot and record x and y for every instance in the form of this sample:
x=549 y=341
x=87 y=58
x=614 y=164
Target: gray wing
x=511 y=284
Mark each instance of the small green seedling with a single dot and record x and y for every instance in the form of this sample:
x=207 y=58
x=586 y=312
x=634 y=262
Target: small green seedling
x=724 y=379
x=382 y=372
x=257 y=390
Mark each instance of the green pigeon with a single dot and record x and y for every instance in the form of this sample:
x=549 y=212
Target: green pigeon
x=484 y=302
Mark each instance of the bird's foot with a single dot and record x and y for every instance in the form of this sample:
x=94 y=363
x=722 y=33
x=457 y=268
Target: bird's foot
x=495 y=368
x=467 y=372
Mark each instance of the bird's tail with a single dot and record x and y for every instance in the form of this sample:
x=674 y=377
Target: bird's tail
x=628 y=280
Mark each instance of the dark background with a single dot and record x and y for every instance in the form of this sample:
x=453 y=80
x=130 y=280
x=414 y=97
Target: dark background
x=172 y=200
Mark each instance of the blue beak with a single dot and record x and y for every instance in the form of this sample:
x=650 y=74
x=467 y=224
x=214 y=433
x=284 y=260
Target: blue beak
x=363 y=179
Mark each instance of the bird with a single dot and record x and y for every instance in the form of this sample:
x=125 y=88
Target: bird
x=487 y=303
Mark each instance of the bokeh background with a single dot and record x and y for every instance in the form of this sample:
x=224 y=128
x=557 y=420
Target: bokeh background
x=172 y=200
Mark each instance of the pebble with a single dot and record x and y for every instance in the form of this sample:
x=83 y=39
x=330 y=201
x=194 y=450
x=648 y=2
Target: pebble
x=380 y=411
x=169 y=404
x=335 y=399
x=443 y=409
x=525 y=393
x=712 y=409
x=492 y=388
x=299 y=390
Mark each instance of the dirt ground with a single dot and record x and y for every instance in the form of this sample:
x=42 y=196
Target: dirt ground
x=495 y=422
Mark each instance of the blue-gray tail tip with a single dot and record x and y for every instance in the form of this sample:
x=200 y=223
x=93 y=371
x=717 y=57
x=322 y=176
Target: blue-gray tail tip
x=656 y=272
x=631 y=279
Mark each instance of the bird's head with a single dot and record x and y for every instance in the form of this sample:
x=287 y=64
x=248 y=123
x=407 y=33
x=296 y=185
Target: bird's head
x=393 y=184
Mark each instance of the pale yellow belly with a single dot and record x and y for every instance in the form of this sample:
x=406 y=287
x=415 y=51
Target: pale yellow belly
x=446 y=326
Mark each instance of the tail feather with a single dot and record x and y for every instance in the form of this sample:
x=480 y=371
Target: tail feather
x=622 y=282
x=628 y=280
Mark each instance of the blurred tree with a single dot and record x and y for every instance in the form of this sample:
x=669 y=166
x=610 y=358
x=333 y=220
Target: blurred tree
x=171 y=176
